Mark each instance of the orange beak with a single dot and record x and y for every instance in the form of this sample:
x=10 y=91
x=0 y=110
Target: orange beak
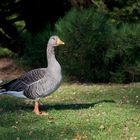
x=60 y=42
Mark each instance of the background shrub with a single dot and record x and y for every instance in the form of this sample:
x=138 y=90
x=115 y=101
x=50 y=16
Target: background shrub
x=85 y=33
x=124 y=54
x=35 y=48
x=96 y=49
x=4 y=52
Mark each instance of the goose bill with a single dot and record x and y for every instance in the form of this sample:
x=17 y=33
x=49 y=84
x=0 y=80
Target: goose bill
x=60 y=42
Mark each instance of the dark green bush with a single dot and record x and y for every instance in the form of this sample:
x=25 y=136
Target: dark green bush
x=35 y=48
x=124 y=54
x=4 y=52
x=96 y=50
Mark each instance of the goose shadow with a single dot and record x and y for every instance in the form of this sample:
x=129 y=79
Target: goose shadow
x=46 y=107
x=73 y=106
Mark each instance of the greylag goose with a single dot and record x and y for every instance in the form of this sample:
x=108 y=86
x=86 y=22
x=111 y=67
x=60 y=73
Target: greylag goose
x=40 y=82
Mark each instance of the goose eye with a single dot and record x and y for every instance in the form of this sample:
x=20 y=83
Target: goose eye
x=53 y=38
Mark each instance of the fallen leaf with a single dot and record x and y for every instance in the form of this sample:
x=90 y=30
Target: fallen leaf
x=126 y=129
x=110 y=128
x=18 y=138
x=30 y=133
x=14 y=126
x=77 y=137
x=133 y=138
x=101 y=126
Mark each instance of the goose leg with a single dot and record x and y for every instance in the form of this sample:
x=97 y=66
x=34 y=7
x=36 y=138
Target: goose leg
x=36 y=109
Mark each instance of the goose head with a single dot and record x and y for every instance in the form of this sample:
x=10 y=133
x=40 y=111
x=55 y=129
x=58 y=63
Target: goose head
x=55 y=41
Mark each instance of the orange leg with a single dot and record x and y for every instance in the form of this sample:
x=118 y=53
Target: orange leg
x=36 y=109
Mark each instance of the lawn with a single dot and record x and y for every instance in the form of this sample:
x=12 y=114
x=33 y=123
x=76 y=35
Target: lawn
x=75 y=112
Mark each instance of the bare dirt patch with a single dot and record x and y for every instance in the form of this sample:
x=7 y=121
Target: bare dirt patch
x=9 y=70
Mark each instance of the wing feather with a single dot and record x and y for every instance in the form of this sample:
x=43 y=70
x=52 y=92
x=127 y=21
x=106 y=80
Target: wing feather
x=23 y=82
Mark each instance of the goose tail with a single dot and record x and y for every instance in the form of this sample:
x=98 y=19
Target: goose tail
x=2 y=91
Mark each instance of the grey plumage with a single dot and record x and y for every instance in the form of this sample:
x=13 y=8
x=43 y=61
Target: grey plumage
x=39 y=82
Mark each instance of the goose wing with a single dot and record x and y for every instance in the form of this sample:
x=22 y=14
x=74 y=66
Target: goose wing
x=23 y=82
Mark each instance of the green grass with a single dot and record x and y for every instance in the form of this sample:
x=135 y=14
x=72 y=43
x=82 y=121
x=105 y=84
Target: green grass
x=75 y=112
